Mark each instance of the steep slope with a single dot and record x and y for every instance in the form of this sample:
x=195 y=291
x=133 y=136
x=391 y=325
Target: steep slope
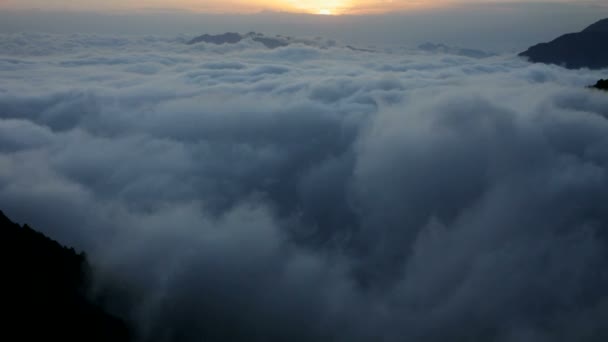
x=44 y=291
x=586 y=49
x=600 y=26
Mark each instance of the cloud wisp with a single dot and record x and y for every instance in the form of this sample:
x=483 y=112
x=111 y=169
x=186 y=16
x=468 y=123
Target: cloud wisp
x=315 y=194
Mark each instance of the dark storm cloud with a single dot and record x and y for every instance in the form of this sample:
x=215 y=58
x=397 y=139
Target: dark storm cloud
x=313 y=194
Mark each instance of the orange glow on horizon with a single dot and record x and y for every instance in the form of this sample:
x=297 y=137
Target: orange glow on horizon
x=317 y=7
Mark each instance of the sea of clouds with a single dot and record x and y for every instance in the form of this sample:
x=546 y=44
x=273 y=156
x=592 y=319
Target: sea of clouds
x=314 y=194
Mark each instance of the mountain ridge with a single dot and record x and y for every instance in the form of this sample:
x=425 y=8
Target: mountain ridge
x=234 y=38
x=442 y=48
x=600 y=26
x=270 y=42
x=601 y=85
x=585 y=49
x=45 y=291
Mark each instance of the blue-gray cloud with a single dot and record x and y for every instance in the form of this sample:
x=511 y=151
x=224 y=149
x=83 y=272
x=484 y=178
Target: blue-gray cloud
x=313 y=193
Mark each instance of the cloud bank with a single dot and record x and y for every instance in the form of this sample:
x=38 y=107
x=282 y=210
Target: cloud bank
x=314 y=194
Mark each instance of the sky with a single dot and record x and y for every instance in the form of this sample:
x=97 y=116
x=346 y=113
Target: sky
x=501 y=27
x=326 y=7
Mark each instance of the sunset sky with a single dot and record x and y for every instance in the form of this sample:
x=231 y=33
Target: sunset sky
x=496 y=25
x=335 y=7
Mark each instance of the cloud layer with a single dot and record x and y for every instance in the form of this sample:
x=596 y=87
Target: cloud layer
x=312 y=194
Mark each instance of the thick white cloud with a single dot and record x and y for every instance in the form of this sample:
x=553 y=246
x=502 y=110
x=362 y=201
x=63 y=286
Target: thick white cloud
x=315 y=194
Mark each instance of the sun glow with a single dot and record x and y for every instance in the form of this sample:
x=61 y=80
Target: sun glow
x=320 y=7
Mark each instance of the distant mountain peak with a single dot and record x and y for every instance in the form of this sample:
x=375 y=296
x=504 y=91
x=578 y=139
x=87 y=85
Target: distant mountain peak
x=219 y=39
x=271 y=42
x=234 y=38
x=601 y=85
x=585 y=49
x=442 y=48
x=600 y=26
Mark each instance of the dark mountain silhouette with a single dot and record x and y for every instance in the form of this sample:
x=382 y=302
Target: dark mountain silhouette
x=350 y=47
x=44 y=291
x=233 y=38
x=586 y=49
x=269 y=42
x=226 y=38
x=600 y=26
x=601 y=85
x=442 y=48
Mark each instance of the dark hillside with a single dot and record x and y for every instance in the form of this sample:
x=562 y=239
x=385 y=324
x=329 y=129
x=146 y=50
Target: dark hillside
x=44 y=291
x=586 y=49
x=601 y=85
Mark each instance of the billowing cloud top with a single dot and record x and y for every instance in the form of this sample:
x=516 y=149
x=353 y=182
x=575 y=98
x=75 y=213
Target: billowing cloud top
x=315 y=194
